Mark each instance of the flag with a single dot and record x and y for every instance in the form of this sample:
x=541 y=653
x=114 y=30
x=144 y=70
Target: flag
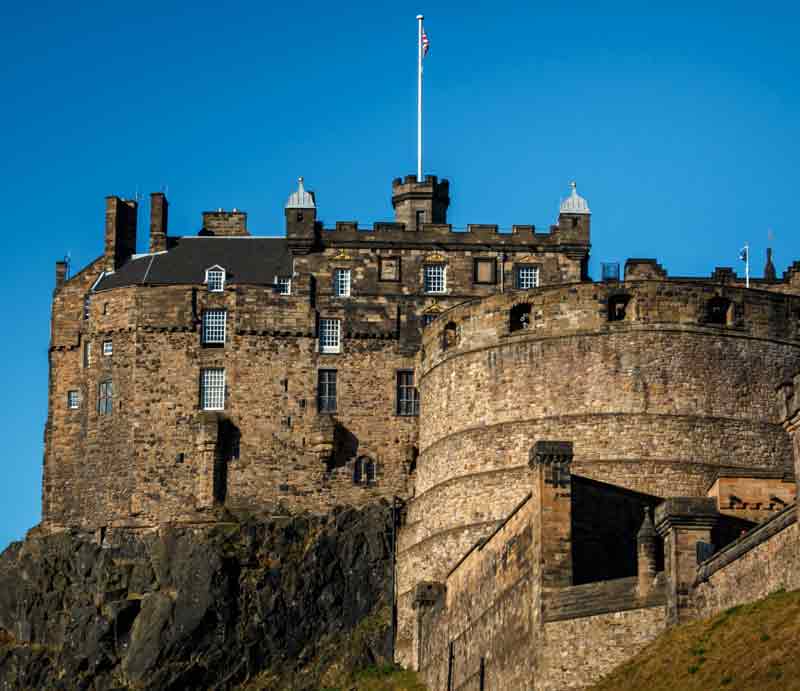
x=425 y=43
x=743 y=254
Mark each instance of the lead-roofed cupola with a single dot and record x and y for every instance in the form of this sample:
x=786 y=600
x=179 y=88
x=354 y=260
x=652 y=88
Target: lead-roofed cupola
x=301 y=199
x=574 y=204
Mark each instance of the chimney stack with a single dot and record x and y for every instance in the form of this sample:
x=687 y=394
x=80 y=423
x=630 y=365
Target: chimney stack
x=159 y=212
x=61 y=273
x=120 y=232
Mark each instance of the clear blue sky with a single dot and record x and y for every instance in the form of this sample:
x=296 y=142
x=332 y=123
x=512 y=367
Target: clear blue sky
x=679 y=121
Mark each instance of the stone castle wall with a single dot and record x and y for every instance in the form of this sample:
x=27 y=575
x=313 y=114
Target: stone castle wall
x=658 y=402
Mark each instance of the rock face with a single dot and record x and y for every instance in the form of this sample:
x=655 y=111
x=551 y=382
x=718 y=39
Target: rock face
x=278 y=603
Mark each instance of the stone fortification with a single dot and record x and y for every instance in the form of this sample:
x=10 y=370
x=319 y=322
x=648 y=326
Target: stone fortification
x=660 y=398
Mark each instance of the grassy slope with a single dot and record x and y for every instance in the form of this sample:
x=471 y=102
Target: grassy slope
x=748 y=647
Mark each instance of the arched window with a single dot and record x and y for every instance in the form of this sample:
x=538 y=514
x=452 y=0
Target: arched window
x=617 y=306
x=519 y=317
x=450 y=336
x=718 y=311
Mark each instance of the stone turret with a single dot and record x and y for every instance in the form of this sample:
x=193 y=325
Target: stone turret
x=301 y=219
x=646 y=541
x=416 y=203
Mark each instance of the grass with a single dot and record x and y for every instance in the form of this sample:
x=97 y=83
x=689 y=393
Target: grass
x=383 y=678
x=746 y=647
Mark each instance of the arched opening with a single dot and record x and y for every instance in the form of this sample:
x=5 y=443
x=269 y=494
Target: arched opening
x=718 y=311
x=519 y=317
x=617 y=307
x=450 y=336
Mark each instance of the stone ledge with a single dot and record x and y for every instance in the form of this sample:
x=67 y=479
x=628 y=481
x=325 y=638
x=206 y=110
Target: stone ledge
x=602 y=597
x=758 y=535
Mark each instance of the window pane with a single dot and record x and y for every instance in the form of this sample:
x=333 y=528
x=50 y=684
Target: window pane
x=434 y=278
x=341 y=283
x=326 y=391
x=108 y=348
x=214 y=322
x=284 y=285
x=527 y=277
x=215 y=279
x=329 y=335
x=73 y=400
x=105 y=398
x=212 y=389
x=407 y=394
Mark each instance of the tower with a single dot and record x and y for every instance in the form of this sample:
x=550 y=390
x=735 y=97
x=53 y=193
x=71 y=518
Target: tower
x=416 y=203
x=301 y=219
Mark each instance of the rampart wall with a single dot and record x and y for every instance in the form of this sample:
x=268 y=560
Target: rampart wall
x=657 y=402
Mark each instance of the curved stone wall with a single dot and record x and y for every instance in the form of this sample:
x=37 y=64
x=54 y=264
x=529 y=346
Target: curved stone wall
x=657 y=401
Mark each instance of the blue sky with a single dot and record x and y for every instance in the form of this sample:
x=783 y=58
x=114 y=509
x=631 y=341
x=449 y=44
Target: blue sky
x=678 y=121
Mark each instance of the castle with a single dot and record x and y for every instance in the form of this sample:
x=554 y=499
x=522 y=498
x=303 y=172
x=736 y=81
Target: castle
x=579 y=462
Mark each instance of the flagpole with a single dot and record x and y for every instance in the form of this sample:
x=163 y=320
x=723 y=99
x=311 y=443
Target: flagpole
x=747 y=265
x=419 y=98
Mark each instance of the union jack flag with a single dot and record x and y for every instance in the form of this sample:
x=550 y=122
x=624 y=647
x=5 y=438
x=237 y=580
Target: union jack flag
x=425 y=43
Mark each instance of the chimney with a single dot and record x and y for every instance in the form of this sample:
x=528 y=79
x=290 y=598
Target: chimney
x=120 y=232
x=221 y=223
x=61 y=273
x=159 y=211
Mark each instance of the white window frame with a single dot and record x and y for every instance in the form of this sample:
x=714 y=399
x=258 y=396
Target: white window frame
x=73 y=399
x=212 y=388
x=284 y=284
x=529 y=279
x=215 y=327
x=330 y=335
x=108 y=348
x=342 y=283
x=433 y=283
x=215 y=279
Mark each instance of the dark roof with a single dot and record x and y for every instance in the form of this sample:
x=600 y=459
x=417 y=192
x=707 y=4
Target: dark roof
x=254 y=260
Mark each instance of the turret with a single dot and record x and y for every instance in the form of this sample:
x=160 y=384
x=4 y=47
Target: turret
x=574 y=217
x=416 y=202
x=301 y=219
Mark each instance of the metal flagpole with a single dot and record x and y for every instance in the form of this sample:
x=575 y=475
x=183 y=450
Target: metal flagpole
x=419 y=98
x=747 y=265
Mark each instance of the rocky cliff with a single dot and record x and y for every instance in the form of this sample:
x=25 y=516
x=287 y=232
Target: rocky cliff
x=296 y=602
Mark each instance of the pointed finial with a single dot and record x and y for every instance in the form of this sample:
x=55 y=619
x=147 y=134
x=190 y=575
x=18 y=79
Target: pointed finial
x=300 y=179
x=574 y=187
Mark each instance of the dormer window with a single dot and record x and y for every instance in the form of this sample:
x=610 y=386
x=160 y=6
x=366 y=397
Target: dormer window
x=215 y=279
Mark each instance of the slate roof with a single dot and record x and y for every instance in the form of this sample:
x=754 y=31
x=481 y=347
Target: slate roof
x=253 y=260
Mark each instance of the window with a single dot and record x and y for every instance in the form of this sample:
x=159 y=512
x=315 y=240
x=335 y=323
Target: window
x=527 y=277
x=215 y=279
x=326 y=391
x=284 y=284
x=718 y=311
x=434 y=278
x=105 y=308
x=214 y=322
x=341 y=283
x=519 y=317
x=617 y=305
x=329 y=335
x=420 y=219
x=73 y=400
x=108 y=348
x=484 y=271
x=87 y=353
x=369 y=471
x=389 y=269
x=407 y=394
x=450 y=336
x=364 y=471
x=87 y=304
x=212 y=388
x=105 y=397
x=427 y=320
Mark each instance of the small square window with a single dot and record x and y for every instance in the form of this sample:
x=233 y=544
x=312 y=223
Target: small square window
x=284 y=284
x=330 y=335
x=215 y=279
x=212 y=388
x=434 y=278
x=108 y=348
x=484 y=271
x=341 y=283
x=389 y=269
x=73 y=400
x=214 y=323
x=527 y=276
